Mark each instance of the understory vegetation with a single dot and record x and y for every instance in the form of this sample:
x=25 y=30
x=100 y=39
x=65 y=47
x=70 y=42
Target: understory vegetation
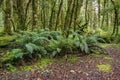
x=45 y=43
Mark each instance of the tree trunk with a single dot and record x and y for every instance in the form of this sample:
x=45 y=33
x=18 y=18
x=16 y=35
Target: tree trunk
x=7 y=17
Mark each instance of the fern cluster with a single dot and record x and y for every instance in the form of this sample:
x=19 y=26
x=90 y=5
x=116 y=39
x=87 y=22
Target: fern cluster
x=42 y=43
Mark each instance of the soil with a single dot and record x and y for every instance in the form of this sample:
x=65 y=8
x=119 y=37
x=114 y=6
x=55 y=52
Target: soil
x=85 y=68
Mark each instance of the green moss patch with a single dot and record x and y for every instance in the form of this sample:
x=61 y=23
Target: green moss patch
x=72 y=58
x=96 y=55
x=108 y=58
x=44 y=62
x=104 y=45
x=27 y=68
x=104 y=67
x=4 y=40
x=39 y=65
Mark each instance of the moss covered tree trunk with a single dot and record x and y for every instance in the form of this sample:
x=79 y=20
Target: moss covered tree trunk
x=19 y=14
x=7 y=17
x=34 y=13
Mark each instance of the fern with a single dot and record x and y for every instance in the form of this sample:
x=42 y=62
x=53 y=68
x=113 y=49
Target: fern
x=13 y=55
x=44 y=42
x=31 y=47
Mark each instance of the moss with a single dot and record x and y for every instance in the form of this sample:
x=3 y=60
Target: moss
x=72 y=58
x=7 y=37
x=119 y=45
x=108 y=58
x=96 y=55
x=7 y=57
x=4 y=40
x=104 y=67
x=10 y=67
x=39 y=65
x=1 y=31
x=27 y=68
x=3 y=43
x=104 y=45
x=10 y=55
x=44 y=62
x=103 y=33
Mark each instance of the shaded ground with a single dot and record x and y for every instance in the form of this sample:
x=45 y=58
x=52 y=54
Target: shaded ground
x=85 y=68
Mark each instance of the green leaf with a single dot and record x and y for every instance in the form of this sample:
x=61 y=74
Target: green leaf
x=31 y=47
x=19 y=55
x=15 y=51
x=54 y=53
x=58 y=50
x=86 y=49
x=77 y=43
x=39 y=55
x=42 y=50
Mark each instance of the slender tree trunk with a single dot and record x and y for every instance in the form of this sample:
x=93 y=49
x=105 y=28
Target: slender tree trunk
x=103 y=18
x=21 y=16
x=67 y=20
x=7 y=17
x=76 y=14
x=43 y=14
x=115 y=29
x=58 y=14
x=52 y=14
x=99 y=17
x=71 y=17
x=34 y=14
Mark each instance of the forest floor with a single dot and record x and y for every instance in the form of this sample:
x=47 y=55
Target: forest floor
x=89 y=67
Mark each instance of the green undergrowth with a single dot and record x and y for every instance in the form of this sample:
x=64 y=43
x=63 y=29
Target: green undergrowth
x=96 y=55
x=6 y=39
x=104 y=45
x=68 y=58
x=41 y=64
x=1 y=31
x=72 y=58
x=44 y=62
x=117 y=45
x=108 y=58
x=46 y=43
x=104 y=67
